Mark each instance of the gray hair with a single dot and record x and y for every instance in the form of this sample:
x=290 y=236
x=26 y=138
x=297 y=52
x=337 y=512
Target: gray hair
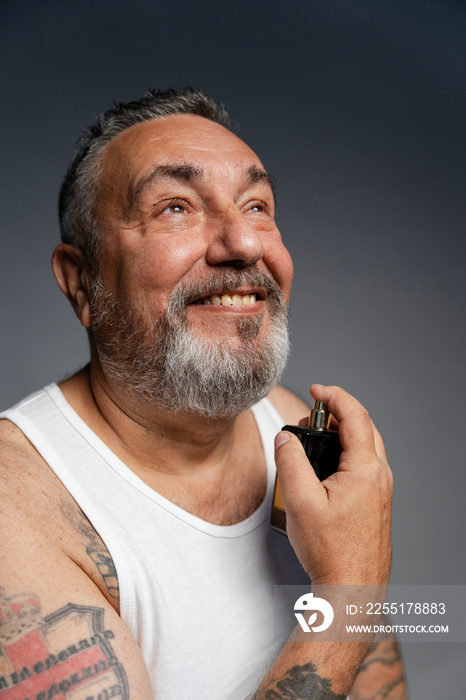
x=79 y=190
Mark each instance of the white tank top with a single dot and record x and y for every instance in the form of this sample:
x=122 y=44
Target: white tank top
x=198 y=598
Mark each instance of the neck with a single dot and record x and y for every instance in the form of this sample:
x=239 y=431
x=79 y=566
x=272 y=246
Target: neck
x=214 y=469
x=160 y=440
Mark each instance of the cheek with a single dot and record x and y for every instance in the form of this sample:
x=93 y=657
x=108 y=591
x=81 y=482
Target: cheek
x=158 y=269
x=281 y=266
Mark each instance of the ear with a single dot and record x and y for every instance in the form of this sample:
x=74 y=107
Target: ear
x=70 y=273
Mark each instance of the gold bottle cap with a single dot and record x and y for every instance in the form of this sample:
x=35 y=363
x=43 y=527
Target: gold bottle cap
x=319 y=418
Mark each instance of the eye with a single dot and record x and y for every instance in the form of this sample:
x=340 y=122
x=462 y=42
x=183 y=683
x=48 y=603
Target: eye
x=175 y=208
x=258 y=208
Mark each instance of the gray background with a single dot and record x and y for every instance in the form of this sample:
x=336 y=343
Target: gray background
x=358 y=109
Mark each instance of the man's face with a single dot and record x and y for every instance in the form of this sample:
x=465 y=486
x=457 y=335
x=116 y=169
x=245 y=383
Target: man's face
x=186 y=220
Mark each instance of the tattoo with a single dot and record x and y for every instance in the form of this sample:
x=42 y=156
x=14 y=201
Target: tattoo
x=96 y=549
x=35 y=663
x=385 y=655
x=386 y=691
x=299 y=683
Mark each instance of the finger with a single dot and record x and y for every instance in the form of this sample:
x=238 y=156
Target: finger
x=378 y=440
x=295 y=474
x=379 y=444
x=355 y=426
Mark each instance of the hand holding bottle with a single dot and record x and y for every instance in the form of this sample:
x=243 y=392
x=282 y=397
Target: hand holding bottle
x=340 y=528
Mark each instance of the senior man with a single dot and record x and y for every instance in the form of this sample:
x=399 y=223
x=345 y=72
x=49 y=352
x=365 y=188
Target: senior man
x=138 y=561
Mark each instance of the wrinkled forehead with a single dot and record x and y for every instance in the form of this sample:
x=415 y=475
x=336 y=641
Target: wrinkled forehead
x=174 y=140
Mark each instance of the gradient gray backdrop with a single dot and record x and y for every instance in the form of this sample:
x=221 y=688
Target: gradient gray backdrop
x=358 y=109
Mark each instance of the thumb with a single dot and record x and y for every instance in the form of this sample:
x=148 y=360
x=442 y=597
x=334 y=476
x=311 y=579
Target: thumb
x=297 y=478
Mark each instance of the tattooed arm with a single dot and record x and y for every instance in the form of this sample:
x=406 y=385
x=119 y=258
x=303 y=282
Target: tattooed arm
x=381 y=675
x=58 y=633
x=59 y=627
x=341 y=532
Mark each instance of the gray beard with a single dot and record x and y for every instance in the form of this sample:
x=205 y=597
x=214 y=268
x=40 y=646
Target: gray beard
x=162 y=362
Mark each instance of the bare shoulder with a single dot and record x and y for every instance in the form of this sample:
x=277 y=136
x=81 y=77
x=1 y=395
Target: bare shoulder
x=22 y=469
x=36 y=507
x=289 y=406
x=29 y=491
x=11 y=438
x=56 y=614
x=17 y=459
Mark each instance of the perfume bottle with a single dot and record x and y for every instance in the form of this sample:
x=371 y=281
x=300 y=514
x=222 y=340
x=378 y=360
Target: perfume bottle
x=323 y=449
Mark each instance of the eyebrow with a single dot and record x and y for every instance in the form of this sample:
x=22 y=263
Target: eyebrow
x=187 y=173
x=255 y=174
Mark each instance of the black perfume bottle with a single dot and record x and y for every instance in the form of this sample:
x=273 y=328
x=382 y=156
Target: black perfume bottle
x=323 y=450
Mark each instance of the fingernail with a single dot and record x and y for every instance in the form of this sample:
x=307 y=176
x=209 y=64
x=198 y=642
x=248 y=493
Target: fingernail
x=318 y=385
x=280 y=439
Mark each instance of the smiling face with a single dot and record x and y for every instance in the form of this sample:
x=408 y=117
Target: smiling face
x=187 y=229
x=182 y=198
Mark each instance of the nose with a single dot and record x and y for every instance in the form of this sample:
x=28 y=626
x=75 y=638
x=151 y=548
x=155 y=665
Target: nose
x=233 y=241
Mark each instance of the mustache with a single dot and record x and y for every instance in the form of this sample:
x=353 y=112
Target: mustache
x=187 y=292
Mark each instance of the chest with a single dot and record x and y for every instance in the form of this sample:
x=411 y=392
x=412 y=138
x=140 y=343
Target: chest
x=220 y=499
x=205 y=603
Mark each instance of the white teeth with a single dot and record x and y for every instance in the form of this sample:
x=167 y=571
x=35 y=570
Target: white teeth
x=228 y=300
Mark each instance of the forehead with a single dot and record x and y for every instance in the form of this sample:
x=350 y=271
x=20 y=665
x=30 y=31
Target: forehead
x=174 y=139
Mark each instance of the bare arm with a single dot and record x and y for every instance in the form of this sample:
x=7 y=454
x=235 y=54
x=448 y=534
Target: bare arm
x=59 y=631
x=341 y=533
x=381 y=675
